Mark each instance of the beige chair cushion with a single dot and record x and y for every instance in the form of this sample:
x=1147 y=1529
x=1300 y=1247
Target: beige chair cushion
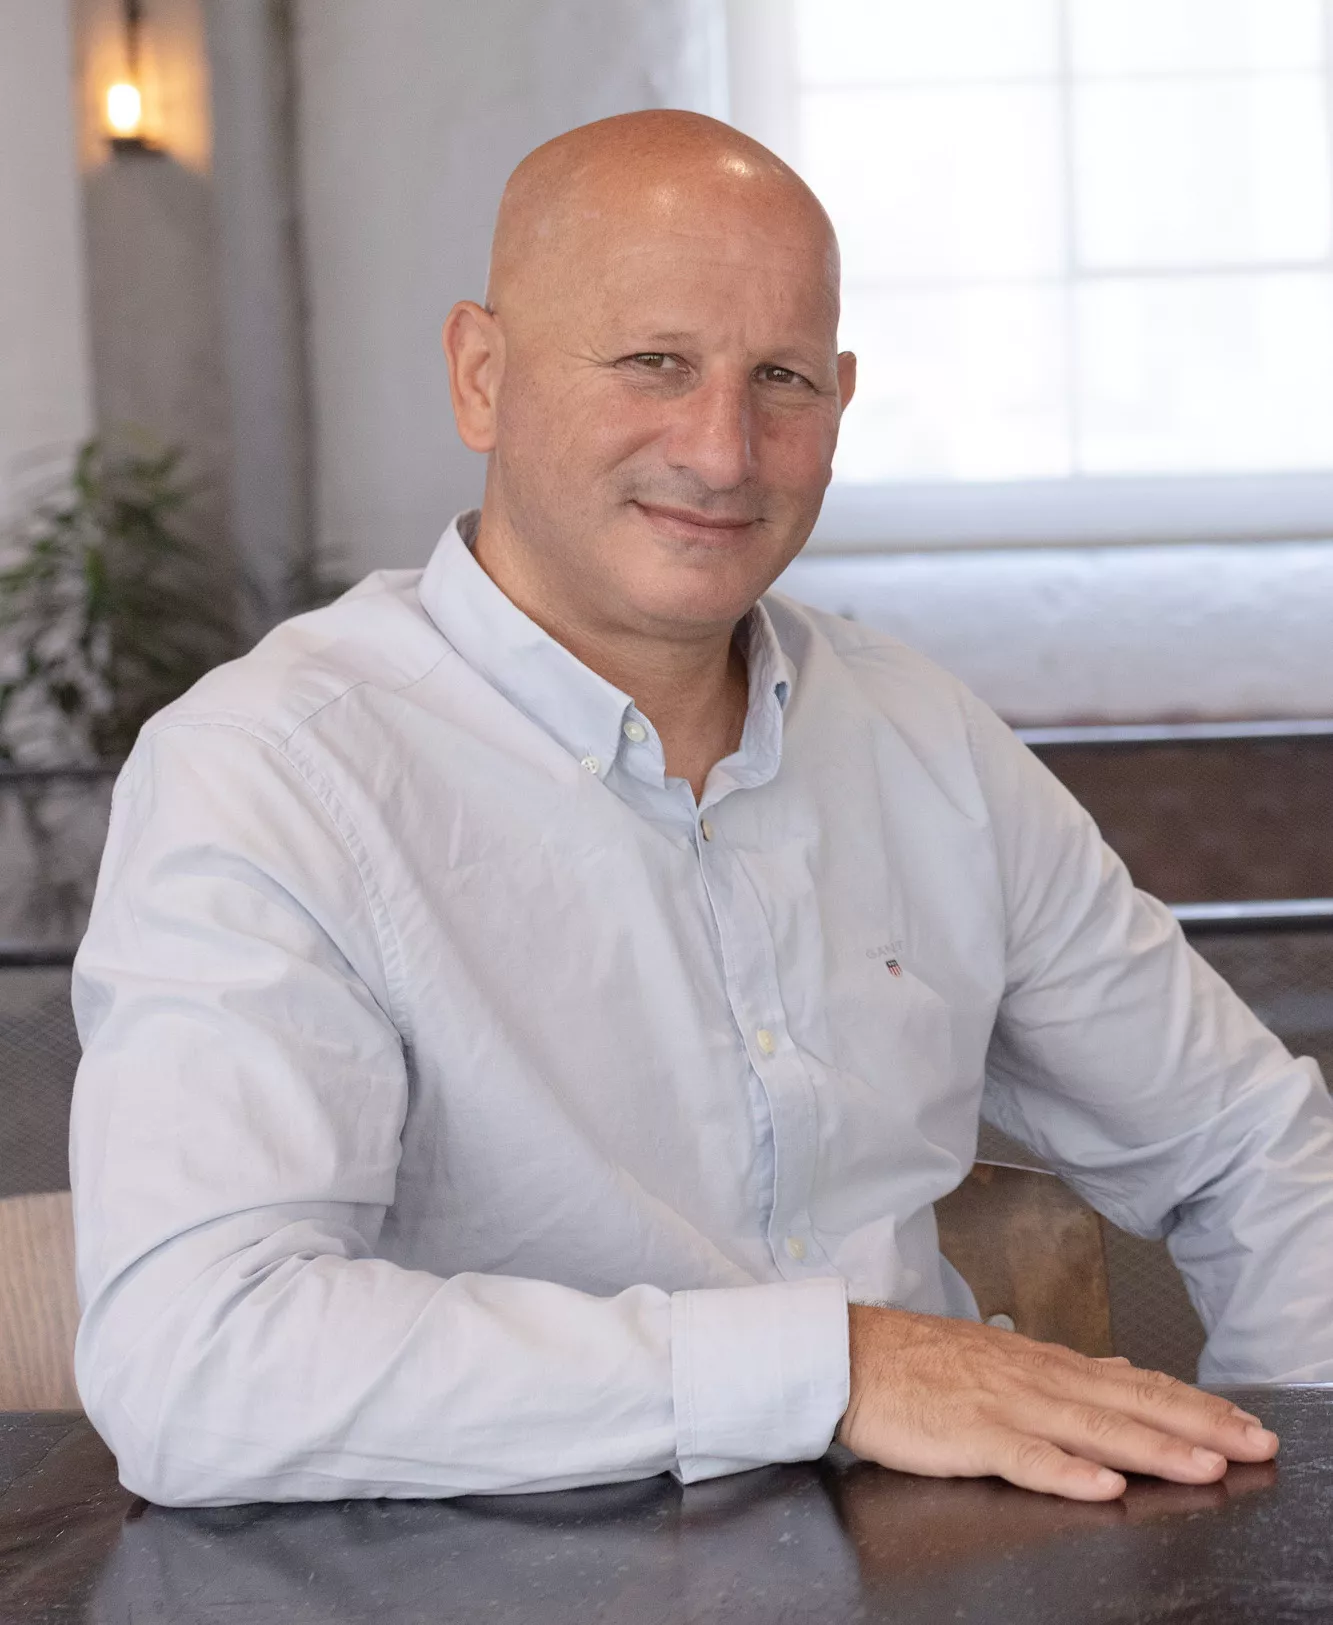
x=39 y=1312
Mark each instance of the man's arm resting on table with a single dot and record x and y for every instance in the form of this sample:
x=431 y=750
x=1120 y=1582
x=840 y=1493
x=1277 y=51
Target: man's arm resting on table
x=1126 y=1062
x=1129 y=1065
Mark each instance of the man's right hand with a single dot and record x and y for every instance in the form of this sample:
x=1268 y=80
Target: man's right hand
x=954 y=1399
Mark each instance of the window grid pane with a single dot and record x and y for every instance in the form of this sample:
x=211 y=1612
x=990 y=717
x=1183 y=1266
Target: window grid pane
x=1100 y=244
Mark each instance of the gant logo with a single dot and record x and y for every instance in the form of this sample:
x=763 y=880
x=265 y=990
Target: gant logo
x=888 y=952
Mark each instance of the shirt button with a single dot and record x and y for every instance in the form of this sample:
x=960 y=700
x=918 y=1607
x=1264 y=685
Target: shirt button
x=705 y=829
x=591 y=763
x=635 y=732
x=766 y=1041
x=795 y=1248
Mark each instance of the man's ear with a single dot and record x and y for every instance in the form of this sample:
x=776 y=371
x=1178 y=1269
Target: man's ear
x=846 y=377
x=474 y=348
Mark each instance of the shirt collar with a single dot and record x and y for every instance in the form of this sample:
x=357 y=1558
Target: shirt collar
x=580 y=710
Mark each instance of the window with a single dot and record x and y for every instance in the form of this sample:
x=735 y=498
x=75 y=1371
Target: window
x=1087 y=258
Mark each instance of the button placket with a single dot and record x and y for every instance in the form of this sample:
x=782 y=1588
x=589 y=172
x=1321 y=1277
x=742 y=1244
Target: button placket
x=750 y=969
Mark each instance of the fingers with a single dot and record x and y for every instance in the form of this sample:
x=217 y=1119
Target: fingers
x=1117 y=1440
x=1037 y=1464
x=1204 y=1420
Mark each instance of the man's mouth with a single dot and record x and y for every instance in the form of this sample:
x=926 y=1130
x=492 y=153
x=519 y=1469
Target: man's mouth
x=686 y=522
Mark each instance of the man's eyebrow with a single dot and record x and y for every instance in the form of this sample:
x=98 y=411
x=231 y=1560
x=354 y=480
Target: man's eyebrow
x=649 y=342
x=650 y=339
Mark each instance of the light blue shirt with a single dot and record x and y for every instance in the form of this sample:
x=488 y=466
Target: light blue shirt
x=465 y=1108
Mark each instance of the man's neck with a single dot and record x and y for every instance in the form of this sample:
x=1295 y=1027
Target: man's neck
x=698 y=710
x=694 y=691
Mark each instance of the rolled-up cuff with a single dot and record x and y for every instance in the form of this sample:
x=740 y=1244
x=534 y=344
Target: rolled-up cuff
x=759 y=1374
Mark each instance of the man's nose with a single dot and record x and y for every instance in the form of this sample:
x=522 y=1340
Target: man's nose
x=714 y=432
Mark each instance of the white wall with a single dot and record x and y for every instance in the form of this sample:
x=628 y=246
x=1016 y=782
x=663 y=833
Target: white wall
x=412 y=113
x=44 y=384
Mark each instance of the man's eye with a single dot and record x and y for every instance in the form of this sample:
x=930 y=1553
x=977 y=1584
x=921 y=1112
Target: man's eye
x=781 y=375
x=654 y=360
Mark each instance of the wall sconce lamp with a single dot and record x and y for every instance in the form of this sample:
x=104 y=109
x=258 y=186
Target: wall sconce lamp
x=124 y=100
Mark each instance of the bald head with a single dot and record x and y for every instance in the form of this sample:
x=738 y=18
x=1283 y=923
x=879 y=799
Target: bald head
x=654 y=377
x=571 y=200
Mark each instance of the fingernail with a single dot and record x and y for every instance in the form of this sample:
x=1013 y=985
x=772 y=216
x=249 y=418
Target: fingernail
x=1257 y=1435
x=1105 y=1479
x=1207 y=1458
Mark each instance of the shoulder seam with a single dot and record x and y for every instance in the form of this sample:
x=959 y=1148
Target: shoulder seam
x=351 y=688
x=322 y=790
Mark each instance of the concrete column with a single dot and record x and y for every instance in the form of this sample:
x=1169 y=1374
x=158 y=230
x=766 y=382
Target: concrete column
x=45 y=390
x=263 y=316
x=151 y=251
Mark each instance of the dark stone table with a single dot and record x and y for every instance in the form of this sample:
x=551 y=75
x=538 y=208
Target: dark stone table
x=834 y=1541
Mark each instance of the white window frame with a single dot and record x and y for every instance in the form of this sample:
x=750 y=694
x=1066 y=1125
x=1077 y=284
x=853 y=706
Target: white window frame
x=1078 y=509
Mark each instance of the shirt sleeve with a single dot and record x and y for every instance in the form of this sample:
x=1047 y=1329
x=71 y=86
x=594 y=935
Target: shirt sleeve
x=1126 y=1061
x=234 y=1150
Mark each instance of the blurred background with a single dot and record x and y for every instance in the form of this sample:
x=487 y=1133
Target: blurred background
x=1088 y=257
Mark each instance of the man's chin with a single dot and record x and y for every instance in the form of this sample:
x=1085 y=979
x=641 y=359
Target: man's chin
x=694 y=606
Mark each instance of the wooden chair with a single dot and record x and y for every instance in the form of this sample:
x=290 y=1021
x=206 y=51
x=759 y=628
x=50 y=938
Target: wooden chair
x=39 y=1311
x=1032 y=1250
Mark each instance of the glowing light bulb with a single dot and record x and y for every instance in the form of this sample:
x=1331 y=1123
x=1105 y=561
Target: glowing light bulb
x=124 y=109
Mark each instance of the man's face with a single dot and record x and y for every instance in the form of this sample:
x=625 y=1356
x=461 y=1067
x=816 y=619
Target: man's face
x=667 y=416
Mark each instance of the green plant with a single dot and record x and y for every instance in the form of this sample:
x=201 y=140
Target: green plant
x=109 y=607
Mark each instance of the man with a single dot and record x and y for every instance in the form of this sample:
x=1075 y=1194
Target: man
x=528 y=999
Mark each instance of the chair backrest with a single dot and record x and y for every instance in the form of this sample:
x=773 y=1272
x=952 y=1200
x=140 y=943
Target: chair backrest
x=1032 y=1250
x=39 y=1311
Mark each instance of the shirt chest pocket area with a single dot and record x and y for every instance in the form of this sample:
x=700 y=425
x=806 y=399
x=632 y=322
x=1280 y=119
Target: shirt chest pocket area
x=889 y=1028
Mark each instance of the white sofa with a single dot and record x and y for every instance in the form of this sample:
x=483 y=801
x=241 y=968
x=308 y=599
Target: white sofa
x=1053 y=635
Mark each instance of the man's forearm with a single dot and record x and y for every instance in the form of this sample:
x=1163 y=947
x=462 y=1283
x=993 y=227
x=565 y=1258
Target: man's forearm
x=234 y=1366
x=1255 y=1240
